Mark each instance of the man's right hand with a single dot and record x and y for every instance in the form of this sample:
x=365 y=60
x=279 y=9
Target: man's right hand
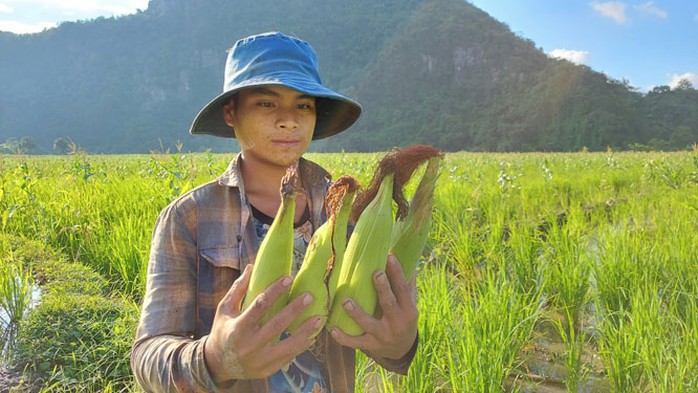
x=237 y=343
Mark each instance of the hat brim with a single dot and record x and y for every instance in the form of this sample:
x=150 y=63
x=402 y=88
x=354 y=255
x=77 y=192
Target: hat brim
x=335 y=113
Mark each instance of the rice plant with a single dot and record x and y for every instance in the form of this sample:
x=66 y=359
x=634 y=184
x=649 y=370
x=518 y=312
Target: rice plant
x=493 y=321
x=568 y=272
x=16 y=296
x=600 y=245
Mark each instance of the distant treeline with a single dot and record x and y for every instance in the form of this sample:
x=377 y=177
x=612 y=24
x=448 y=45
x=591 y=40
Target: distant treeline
x=440 y=72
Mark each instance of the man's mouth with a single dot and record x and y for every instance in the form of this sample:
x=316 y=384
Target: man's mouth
x=286 y=143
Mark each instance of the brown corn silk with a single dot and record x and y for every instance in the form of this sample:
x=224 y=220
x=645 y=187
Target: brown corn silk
x=369 y=244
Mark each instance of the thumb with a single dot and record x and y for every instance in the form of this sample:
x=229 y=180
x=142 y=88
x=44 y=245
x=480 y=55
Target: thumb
x=232 y=301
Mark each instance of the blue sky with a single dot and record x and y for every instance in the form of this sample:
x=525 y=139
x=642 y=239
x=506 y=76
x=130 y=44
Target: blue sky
x=647 y=43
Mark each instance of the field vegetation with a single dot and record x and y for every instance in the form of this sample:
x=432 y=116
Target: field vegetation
x=572 y=271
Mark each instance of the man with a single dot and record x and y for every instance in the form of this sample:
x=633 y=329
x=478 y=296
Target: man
x=193 y=336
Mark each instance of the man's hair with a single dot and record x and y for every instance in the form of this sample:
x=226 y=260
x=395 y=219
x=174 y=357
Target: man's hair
x=232 y=100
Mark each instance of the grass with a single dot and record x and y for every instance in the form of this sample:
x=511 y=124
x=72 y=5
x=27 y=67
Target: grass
x=567 y=273
x=78 y=336
x=597 y=247
x=16 y=295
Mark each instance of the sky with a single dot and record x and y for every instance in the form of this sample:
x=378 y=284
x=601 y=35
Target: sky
x=33 y=16
x=646 y=43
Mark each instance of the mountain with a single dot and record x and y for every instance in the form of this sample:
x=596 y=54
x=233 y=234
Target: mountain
x=426 y=71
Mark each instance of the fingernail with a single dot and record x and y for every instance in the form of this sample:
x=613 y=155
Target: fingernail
x=286 y=281
x=333 y=332
x=348 y=305
x=380 y=276
x=318 y=323
x=307 y=299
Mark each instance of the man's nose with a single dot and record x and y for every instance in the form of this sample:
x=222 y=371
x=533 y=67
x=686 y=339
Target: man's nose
x=286 y=119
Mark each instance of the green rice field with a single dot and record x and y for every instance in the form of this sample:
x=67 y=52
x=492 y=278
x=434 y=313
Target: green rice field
x=555 y=272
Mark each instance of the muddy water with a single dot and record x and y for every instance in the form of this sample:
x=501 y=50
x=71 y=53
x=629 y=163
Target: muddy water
x=7 y=331
x=8 y=379
x=544 y=370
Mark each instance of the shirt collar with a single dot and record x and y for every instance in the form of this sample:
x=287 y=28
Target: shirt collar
x=315 y=180
x=232 y=176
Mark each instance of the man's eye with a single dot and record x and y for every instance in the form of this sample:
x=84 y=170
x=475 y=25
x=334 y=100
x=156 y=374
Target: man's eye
x=265 y=104
x=305 y=106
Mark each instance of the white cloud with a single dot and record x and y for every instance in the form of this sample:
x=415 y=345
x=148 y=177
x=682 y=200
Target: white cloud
x=575 y=56
x=612 y=9
x=25 y=28
x=30 y=16
x=73 y=9
x=650 y=9
x=108 y=7
x=691 y=77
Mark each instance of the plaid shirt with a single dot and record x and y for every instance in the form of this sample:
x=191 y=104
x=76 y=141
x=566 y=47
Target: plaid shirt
x=201 y=243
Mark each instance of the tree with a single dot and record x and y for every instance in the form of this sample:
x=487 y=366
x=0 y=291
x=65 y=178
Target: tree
x=27 y=145
x=684 y=84
x=660 y=89
x=11 y=145
x=65 y=146
x=61 y=146
x=682 y=138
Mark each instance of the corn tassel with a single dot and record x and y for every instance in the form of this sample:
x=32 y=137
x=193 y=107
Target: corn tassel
x=319 y=272
x=372 y=237
x=275 y=256
x=367 y=252
x=410 y=234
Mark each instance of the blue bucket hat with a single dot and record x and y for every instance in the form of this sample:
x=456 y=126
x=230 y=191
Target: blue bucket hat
x=276 y=59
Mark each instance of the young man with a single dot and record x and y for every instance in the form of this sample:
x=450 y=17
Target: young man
x=192 y=335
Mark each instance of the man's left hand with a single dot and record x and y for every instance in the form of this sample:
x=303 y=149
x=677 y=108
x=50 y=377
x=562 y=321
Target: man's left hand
x=393 y=335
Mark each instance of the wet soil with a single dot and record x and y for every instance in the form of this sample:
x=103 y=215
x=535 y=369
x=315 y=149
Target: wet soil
x=8 y=379
x=544 y=370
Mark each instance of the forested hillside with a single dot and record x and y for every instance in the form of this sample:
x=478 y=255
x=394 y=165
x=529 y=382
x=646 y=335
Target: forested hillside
x=432 y=71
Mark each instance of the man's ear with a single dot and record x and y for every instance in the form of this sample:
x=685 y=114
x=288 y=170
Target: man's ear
x=228 y=113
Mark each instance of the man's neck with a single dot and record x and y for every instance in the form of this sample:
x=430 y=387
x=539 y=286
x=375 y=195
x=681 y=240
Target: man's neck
x=262 y=185
x=259 y=177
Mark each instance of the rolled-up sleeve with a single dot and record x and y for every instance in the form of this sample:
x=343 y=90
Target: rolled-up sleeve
x=165 y=357
x=400 y=366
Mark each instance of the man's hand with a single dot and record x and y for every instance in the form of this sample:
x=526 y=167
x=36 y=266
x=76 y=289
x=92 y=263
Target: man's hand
x=393 y=335
x=237 y=343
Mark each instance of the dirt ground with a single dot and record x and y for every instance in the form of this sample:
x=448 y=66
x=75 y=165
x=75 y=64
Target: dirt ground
x=8 y=379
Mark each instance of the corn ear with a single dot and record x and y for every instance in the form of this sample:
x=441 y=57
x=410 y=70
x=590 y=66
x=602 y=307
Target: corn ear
x=319 y=272
x=275 y=256
x=367 y=252
x=339 y=240
x=409 y=235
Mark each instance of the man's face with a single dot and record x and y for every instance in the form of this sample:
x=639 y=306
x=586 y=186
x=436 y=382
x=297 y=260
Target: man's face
x=273 y=124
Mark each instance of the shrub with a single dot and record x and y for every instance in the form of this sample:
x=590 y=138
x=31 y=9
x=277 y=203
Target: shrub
x=77 y=338
x=80 y=337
